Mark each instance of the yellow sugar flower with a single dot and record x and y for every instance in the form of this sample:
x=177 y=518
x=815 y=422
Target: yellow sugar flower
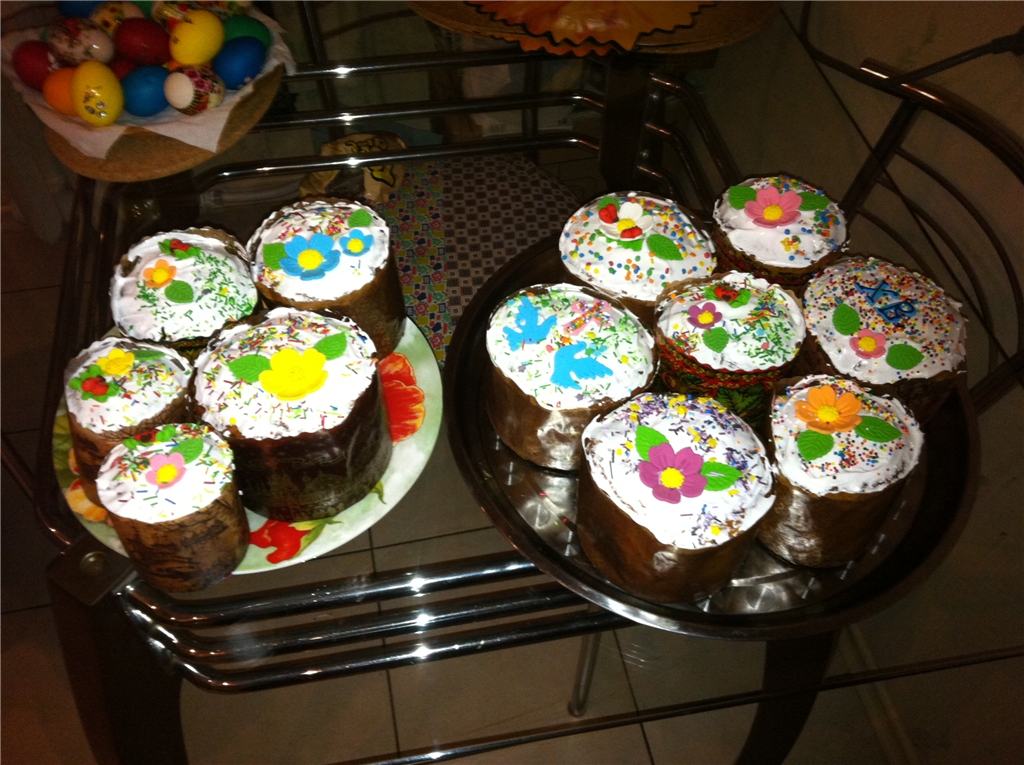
x=292 y=376
x=117 y=362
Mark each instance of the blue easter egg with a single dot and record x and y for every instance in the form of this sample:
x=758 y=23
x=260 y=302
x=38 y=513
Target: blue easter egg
x=144 y=91
x=77 y=8
x=239 y=61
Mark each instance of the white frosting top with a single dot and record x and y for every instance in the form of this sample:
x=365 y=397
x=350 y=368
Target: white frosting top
x=317 y=250
x=568 y=349
x=832 y=436
x=686 y=469
x=736 y=322
x=781 y=221
x=181 y=285
x=880 y=323
x=117 y=383
x=297 y=372
x=632 y=245
x=180 y=470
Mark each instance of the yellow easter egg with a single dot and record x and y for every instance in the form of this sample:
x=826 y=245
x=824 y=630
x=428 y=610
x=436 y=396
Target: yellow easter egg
x=96 y=93
x=197 y=38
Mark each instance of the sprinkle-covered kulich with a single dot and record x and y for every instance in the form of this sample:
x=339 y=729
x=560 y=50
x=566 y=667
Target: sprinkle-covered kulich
x=569 y=349
x=178 y=471
x=688 y=470
x=118 y=383
x=832 y=436
x=295 y=372
x=736 y=322
x=880 y=323
x=314 y=251
x=634 y=245
x=781 y=221
x=181 y=285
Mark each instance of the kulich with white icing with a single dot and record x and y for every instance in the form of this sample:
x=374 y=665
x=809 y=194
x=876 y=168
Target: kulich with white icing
x=831 y=436
x=880 y=323
x=315 y=251
x=686 y=469
x=569 y=349
x=296 y=372
x=117 y=383
x=781 y=221
x=178 y=470
x=181 y=285
x=735 y=322
x=632 y=245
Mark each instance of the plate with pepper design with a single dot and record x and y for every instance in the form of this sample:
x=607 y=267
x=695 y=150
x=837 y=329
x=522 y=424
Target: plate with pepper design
x=412 y=392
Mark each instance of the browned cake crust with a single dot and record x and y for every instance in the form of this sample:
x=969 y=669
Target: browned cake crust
x=378 y=307
x=319 y=474
x=633 y=559
x=795 y=279
x=189 y=553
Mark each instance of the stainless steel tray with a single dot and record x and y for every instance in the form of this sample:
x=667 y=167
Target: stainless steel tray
x=535 y=508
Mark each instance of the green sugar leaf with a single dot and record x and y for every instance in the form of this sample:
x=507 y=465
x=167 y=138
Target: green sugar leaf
x=742 y=299
x=646 y=439
x=378 y=489
x=165 y=247
x=740 y=195
x=663 y=247
x=877 y=430
x=709 y=293
x=845 y=319
x=360 y=219
x=131 y=444
x=904 y=356
x=189 y=449
x=716 y=339
x=166 y=434
x=142 y=355
x=273 y=254
x=636 y=245
x=605 y=201
x=248 y=368
x=75 y=383
x=813 y=444
x=812 y=201
x=720 y=477
x=333 y=346
x=179 y=292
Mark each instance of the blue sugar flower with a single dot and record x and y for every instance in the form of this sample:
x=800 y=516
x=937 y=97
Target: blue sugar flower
x=310 y=259
x=356 y=243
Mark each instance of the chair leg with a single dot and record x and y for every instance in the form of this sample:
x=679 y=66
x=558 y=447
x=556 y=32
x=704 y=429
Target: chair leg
x=794 y=663
x=584 y=673
x=128 y=704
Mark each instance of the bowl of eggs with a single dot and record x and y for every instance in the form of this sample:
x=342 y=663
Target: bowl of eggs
x=110 y=72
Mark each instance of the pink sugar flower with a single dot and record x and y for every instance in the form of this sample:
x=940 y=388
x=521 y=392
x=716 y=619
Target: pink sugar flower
x=703 y=316
x=772 y=209
x=673 y=475
x=165 y=470
x=868 y=344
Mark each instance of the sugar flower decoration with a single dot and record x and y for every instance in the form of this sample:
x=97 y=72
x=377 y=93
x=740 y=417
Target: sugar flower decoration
x=673 y=475
x=868 y=344
x=310 y=259
x=772 y=209
x=117 y=362
x=293 y=376
x=825 y=413
x=160 y=275
x=356 y=243
x=165 y=470
x=703 y=316
x=628 y=221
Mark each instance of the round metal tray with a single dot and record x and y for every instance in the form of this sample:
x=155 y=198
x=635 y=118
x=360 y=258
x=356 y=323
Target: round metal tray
x=535 y=508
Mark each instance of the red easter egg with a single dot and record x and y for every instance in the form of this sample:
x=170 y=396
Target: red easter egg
x=33 y=63
x=142 y=41
x=122 y=67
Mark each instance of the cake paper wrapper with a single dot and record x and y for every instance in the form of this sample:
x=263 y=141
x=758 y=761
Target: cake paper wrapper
x=202 y=130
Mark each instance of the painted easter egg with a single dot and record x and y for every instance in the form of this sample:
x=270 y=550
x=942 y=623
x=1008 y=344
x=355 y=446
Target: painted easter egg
x=197 y=38
x=76 y=8
x=168 y=14
x=96 y=93
x=33 y=62
x=57 y=91
x=246 y=26
x=194 y=89
x=121 y=67
x=144 y=91
x=229 y=8
x=76 y=40
x=109 y=16
x=239 y=61
x=143 y=41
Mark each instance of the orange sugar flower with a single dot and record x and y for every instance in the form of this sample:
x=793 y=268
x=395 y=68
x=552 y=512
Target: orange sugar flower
x=825 y=413
x=160 y=275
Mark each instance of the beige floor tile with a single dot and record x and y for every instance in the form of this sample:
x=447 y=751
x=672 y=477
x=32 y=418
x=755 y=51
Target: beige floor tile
x=28 y=320
x=40 y=722
x=617 y=746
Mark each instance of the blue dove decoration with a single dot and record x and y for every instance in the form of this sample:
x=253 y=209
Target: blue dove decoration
x=569 y=364
x=531 y=328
